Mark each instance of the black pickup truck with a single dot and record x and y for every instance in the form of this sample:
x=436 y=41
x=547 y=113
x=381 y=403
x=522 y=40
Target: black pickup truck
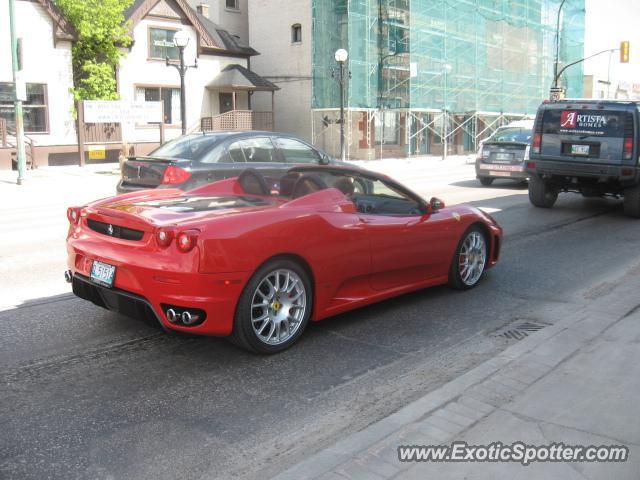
x=586 y=146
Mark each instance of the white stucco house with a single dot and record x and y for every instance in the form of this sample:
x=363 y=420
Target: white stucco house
x=219 y=92
x=46 y=38
x=221 y=84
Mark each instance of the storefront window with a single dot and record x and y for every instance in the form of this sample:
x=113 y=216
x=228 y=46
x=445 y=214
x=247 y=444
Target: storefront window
x=170 y=98
x=34 y=109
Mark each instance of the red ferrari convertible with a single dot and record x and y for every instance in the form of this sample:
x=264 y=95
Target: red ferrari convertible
x=257 y=258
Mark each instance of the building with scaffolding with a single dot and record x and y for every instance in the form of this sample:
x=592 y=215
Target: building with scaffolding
x=425 y=75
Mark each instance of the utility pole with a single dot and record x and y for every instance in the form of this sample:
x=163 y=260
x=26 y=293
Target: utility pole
x=557 y=57
x=18 y=96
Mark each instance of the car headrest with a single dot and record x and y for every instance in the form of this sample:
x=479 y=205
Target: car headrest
x=253 y=183
x=287 y=183
x=345 y=185
x=307 y=184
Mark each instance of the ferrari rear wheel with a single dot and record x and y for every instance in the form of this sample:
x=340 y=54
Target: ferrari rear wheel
x=469 y=260
x=274 y=308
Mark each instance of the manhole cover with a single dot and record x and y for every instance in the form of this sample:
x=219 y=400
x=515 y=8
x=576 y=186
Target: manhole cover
x=520 y=329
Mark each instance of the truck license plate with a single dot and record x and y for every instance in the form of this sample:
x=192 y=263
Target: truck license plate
x=579 y=149
x=103 y=273
x=504 y=156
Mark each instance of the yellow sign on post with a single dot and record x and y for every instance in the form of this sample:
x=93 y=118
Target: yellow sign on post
x=97 y=152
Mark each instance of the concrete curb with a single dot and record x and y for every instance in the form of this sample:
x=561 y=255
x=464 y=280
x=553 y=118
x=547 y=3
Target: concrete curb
x=546 y=348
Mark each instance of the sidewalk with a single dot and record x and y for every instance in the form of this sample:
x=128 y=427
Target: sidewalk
x=34 y=217
x=576 y=382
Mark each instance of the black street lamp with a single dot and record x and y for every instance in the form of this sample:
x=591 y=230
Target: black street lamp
x=341 y=57
x=181 y=41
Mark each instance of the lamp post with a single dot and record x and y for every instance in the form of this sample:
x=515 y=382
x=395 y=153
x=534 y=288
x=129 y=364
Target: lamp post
x=446 y=69
x=341 y=57
x=181 y=41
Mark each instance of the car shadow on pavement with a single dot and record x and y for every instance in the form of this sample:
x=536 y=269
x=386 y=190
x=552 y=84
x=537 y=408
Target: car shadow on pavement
x=497 y=184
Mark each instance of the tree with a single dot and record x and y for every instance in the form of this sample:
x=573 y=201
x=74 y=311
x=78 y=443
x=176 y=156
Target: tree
x=102 y=34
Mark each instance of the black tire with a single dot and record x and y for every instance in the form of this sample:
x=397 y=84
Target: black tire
x=632 y=202
x=541 y=193
x=455 y=277
x=486 y=181
x=243 y=334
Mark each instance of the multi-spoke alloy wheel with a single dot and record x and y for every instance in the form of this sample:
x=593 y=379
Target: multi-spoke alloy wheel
x=278 y=306
x=469 y=261
x=274 y=307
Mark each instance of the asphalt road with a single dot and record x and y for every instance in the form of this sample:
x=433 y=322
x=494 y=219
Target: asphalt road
x=90 y=394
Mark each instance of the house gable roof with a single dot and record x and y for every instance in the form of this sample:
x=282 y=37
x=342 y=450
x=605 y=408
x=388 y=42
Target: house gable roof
x=62 y=27
x=238 y=77
x=212 y=38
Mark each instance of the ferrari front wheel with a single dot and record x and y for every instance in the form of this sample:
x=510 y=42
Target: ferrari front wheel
x=274 y=308
x=469 y=260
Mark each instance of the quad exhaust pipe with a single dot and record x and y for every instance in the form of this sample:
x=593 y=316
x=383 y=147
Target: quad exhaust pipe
x=188 y=319
x=185 y=317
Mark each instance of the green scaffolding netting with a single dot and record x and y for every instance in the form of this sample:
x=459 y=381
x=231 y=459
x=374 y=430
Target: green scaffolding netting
x=455 y=55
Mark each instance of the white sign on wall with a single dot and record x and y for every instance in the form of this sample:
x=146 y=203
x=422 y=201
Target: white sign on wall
x=21 y=87
x=117 y=111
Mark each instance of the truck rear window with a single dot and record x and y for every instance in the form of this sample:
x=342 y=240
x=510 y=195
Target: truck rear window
x=600 y=123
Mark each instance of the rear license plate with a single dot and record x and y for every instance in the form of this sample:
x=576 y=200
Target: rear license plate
x=103 y=273
x=504 y=156
x=579 y=149
x=500 y=174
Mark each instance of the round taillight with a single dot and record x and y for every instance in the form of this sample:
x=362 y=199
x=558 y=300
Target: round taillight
x=187 y=240
x=164 y=237
x=73 y=215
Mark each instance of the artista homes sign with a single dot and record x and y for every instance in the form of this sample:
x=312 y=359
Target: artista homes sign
x=574 y=122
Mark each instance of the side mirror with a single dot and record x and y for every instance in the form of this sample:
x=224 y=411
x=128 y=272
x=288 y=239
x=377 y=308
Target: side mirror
x=436 y=204
x=324 y=160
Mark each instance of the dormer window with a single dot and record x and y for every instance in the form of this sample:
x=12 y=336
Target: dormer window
x=296 y=33
x=161 y=44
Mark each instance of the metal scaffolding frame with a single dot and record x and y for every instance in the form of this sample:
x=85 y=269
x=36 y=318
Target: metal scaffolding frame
x=475 y=125
x=439 y=62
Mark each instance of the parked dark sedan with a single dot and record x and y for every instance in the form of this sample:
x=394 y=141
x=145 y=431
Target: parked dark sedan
x=193 y=160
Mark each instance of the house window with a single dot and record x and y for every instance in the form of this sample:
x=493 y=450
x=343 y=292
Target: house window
x=161 y=44
x=296 y=33
x=233 y=4
x=34 y=109
x=170 y=98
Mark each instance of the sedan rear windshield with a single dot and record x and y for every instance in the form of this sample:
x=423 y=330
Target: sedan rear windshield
x=191 y=147
x=512 y=134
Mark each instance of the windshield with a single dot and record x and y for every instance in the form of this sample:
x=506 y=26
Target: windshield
x=512 y=134
x=190 y=147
